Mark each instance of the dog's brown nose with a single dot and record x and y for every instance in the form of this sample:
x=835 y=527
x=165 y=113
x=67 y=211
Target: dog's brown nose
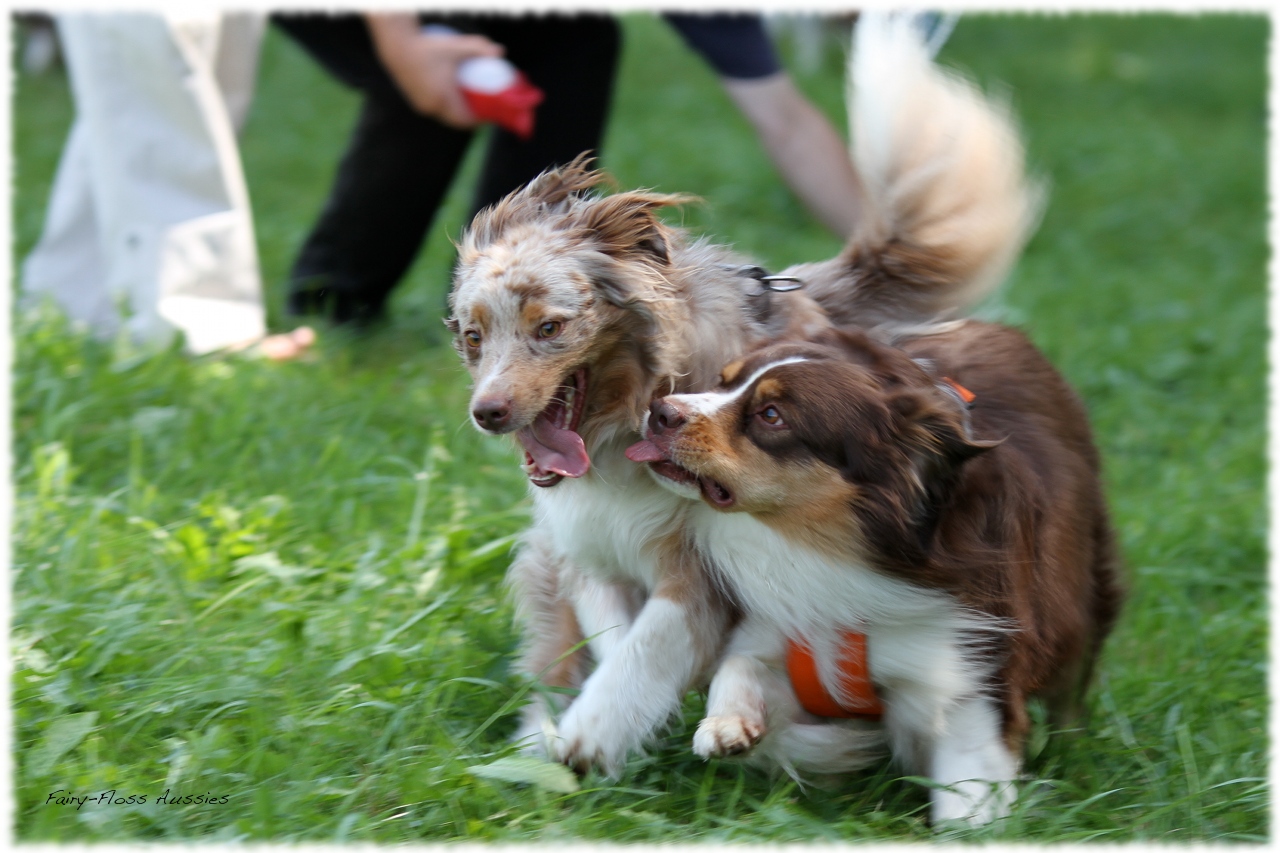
x=492 y=414
x=664 y=416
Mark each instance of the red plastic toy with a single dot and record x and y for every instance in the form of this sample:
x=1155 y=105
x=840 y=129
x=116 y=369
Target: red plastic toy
x=497 y=91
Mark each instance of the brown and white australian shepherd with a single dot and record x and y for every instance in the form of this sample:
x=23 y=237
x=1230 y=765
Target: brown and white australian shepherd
x=940 y=500
x=572 y=310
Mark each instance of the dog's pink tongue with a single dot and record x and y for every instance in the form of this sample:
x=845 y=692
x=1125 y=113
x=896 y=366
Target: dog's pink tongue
x=645 y=451
x=555 y=450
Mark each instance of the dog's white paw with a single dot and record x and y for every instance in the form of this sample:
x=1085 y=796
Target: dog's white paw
x=583 y=741
x=726 y=735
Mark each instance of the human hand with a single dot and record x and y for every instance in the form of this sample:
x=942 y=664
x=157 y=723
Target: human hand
x=424 y=65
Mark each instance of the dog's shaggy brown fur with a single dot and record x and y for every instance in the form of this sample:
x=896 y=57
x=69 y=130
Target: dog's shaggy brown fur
x=871 y=479
x=572 y=310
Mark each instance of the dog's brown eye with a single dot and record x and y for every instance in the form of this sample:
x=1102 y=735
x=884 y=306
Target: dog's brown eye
x=549 y=329
x=771 y=416
x=473 y=339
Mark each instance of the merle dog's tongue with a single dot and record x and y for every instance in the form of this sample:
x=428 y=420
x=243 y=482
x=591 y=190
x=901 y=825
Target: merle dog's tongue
x=555 y=450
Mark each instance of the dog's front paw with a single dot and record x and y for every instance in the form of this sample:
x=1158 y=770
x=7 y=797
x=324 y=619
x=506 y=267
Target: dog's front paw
x=726 y=735
x=583 y=742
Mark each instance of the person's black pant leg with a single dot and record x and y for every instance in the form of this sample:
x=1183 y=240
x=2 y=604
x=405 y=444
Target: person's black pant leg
x=391 y=181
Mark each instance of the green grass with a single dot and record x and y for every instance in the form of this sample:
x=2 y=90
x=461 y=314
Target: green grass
x=282 y=583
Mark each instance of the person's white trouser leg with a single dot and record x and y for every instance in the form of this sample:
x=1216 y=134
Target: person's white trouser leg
x=67 y=264
x=172 y=232
x=236 y=63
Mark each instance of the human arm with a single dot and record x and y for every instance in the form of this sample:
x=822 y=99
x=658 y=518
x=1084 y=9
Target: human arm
x=424 y=65
x=803 y=146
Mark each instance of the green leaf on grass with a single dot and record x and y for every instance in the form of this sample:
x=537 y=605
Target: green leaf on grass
x=497 y=546
x=62 y=736
x=531 y=771
x=269 y=563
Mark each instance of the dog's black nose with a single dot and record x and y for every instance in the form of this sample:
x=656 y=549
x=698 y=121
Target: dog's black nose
x=663 y=416
x=492 y=414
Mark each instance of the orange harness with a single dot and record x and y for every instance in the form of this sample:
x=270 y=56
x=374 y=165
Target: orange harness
x=855 y=679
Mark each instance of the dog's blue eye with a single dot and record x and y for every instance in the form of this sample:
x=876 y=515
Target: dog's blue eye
x=549 y=329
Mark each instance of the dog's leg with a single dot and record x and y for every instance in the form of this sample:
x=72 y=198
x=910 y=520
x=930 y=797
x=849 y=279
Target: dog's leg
x=970 y=757
x=736 y=712
x=801 y=743
x=674 y=640
x=605 y=612
x=752 y=707
x=745 y=696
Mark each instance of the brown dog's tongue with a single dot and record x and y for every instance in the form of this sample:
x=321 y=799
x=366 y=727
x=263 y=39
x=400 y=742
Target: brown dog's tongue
x=555 y=450
x=645 y=451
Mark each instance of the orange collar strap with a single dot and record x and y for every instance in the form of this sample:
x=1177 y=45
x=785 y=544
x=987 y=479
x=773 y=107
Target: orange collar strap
x=965 y=394
x=855 y=679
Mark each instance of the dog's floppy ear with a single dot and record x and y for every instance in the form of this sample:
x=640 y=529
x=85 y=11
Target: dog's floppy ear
x=938 y=442
x=624 y=226
x=937 y=426
x=927 y=416
x=632 y=243
x=937 y=431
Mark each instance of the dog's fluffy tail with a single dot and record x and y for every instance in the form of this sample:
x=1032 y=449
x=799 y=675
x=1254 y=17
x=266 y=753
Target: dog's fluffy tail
x=948 y=201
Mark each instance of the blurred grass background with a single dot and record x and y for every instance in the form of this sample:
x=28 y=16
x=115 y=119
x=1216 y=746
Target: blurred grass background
x=282 y=583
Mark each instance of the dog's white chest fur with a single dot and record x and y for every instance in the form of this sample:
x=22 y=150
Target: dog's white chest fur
x=608 y=522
